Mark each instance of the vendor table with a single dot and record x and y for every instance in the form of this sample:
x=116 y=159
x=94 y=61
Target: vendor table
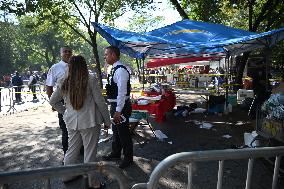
x=192 y=92
x=159 y=109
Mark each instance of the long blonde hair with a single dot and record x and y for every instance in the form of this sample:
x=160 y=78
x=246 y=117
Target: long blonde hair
x=76 y=83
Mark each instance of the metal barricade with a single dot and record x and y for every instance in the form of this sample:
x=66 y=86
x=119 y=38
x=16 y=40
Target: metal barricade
x=9 y=103
x=215 y=155
x=5 y=99
x=47 y=174
x=1 y=98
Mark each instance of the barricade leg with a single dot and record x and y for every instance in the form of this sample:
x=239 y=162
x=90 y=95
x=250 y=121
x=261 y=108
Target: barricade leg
x=12 y=103
x=0 y=99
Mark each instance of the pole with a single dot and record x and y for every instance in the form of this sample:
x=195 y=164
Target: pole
x=267 y=58
x=226 y=75
x=0 y=99
x=143 y=70
x=138 y=68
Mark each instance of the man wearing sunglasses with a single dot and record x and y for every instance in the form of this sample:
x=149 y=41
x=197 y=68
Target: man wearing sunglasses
x=55 y=74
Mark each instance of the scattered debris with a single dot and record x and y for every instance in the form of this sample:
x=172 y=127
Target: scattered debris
x=198 y=110
x=249 y=139
x=205 y=125
x=239 y=123
x=161 y=136
x=227 y=136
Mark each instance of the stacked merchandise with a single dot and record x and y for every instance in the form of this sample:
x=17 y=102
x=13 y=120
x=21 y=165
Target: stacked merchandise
x=272 y=124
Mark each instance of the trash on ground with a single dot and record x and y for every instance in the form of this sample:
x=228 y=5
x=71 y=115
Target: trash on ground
x=227 y=136
x=205 y=125
x=249 y=139
x=198 y=111
x=193 y=121
x=160 y=135
x=240 y=123
x=197 y=122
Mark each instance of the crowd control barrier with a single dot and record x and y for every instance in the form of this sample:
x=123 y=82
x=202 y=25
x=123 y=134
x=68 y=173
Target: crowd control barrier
x=46 y=174
x=215 y=155
x=8 y=99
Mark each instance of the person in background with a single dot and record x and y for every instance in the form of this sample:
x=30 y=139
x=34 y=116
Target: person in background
x=56 y=73
x=17 y=82
x=118 y=94
x=32 y=81
x=43 y=76
x=7 y=80
x=84 y=112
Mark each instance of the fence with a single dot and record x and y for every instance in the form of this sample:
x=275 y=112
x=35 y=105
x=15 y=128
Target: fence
x=8 y=101
x=215 y=155
x=46 y=174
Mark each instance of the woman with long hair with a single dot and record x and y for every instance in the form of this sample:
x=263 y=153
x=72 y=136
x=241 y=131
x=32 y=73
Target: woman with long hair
x=84 y=112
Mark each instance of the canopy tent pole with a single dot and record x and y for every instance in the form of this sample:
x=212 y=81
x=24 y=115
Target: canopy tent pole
x=267 y=58
x=218 y=88
x=138 y=68
x=143 y=71
x=227 y=64
x=231 y=72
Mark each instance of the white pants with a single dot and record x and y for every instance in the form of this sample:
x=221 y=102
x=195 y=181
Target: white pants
x=89 y=138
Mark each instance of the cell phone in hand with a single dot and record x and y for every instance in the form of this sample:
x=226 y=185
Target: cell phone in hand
x=123 y=120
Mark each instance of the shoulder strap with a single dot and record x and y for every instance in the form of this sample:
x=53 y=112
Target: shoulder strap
x=119 y=66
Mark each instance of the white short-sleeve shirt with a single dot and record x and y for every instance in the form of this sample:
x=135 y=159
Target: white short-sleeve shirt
x=56 y=72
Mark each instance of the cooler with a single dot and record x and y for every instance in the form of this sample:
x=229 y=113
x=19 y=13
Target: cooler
x=243 y=93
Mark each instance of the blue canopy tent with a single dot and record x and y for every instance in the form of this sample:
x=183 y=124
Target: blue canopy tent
x=188 y=38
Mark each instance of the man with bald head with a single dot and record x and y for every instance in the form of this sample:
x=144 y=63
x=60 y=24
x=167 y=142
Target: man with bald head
x=56 y=73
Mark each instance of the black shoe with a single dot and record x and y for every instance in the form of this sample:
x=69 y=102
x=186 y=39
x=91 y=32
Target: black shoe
x=125 y=163
x=111 y=157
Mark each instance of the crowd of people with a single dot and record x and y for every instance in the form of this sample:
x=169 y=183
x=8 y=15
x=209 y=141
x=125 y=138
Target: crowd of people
x=6 y=79
x=18 y=80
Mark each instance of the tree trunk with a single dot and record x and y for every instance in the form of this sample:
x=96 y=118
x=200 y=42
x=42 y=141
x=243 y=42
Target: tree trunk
x=96 y=57
x=49 y=63
x=180 y=10
x=240 y=65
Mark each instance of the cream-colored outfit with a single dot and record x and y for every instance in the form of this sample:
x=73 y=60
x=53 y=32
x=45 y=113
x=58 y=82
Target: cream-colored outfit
x=83 y=125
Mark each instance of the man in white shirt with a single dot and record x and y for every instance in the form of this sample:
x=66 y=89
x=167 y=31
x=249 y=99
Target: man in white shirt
x=118 y=93
x=57 y=72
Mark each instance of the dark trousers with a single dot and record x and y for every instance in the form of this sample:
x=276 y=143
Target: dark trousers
x=63 y=128
x=33 y=89
x=18 y=93
x=121 y=135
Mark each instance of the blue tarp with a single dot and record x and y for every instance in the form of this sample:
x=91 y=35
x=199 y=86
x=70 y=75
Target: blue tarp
x=188 y=38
